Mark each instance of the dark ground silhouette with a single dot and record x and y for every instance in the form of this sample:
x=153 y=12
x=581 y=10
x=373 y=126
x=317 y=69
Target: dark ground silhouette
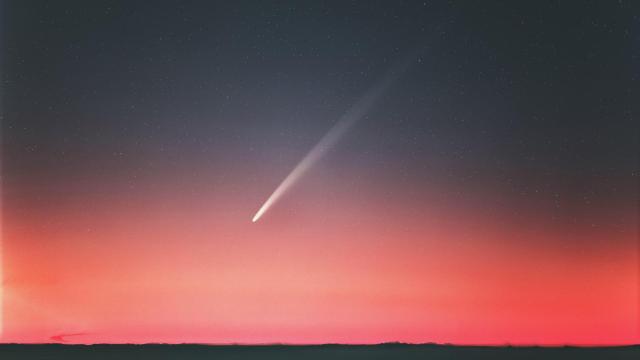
x=310 y=352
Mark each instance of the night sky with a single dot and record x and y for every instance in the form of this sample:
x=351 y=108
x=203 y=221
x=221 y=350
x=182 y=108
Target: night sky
x=488 y=195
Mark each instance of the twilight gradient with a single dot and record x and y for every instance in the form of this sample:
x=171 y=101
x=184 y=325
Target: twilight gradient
x=489 y=198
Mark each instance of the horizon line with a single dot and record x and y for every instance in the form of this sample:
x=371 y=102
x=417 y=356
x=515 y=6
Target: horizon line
x=392 y=343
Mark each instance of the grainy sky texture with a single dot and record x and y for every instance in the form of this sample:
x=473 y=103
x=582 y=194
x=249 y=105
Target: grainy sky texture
x=488 y=195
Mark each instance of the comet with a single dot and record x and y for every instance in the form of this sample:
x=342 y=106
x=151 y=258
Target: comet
x=341 y=127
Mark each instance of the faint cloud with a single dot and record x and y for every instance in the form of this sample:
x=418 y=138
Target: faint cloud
x=62 y=337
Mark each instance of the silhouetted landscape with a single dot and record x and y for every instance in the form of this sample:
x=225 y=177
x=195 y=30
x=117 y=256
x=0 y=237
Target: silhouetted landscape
x=382 y=351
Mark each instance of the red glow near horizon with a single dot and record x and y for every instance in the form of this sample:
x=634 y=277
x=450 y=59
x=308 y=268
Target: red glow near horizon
x=352 y=268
